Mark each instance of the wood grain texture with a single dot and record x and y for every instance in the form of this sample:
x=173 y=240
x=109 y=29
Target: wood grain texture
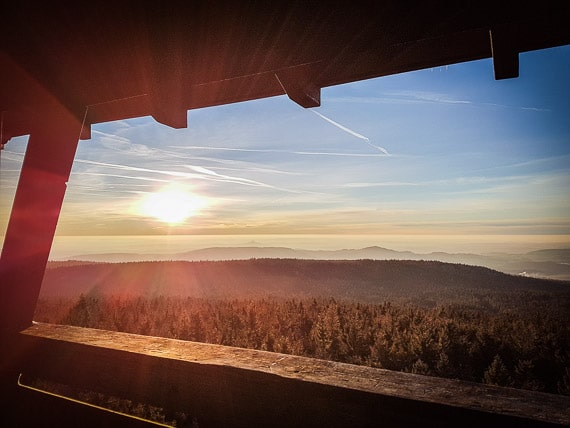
x=238 y=387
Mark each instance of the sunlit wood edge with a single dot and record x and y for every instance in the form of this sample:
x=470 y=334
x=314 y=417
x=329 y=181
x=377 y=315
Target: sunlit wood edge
x=518 y=403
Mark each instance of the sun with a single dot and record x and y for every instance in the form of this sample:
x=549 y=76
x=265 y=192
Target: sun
x=172 y=205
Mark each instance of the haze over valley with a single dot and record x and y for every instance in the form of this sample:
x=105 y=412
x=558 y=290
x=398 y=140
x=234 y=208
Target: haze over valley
x=547 y=263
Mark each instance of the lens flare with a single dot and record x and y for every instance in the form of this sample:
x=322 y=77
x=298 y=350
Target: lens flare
x=172 y=205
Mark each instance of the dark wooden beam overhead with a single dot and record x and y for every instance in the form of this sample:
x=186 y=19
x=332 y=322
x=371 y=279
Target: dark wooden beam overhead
x=65 y=65
x=116 y=60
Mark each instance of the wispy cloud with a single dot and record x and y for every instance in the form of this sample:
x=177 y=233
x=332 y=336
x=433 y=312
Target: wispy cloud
x=535 y=109
x=450 y=182
x=290 y=152
x=237 y=166
x=382 y=184
x=176 y=174
x=551 y=163
x=11 y=156
x=111 y=136
x=403 y=97
x=128 y=177
x=426 y=97
x=208 y=174
x=199 y=173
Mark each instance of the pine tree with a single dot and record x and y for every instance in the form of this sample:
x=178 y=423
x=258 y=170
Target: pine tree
x=497 y=373
x=524 y=376
x=419 y=367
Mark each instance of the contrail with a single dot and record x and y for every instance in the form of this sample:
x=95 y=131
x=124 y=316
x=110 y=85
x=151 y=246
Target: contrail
x=114 y=137
x=351 y=132
x=199 y=173
x=290 y=152
x=344 y=128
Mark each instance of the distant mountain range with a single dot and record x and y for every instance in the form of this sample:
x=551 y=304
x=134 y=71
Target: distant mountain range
x=360 y=280
x=551 y=263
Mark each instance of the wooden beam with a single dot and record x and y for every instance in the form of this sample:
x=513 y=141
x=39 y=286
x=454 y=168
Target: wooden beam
x=236 y=387
x=505 y=53
x=35 y=212
x=299 y=85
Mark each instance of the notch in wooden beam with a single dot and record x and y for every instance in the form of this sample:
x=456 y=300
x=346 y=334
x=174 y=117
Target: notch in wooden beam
x=175 y=118
x=167 y=105
x=299 y=88
x=505 y=54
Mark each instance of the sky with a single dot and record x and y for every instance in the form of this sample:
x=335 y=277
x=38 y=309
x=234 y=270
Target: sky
x=441 y=152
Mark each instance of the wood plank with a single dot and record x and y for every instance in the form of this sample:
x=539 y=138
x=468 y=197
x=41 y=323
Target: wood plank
x=216 y=370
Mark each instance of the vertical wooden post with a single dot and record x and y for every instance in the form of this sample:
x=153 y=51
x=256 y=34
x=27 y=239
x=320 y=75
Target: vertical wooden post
x=35 y=212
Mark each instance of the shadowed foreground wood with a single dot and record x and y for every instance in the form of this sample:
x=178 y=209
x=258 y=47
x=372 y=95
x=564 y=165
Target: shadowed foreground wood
x=225 y=386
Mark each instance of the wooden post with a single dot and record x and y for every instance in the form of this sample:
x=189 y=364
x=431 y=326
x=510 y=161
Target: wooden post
x=35 y=212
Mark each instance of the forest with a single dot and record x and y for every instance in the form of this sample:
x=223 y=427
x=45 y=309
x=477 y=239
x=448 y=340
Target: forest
x=489 y=327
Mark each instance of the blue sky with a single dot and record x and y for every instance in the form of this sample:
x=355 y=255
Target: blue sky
x=440 y=151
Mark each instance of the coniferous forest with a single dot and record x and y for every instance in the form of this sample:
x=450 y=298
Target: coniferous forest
x=503 y=331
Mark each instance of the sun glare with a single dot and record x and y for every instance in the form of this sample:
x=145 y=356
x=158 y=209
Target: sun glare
x=172 y=205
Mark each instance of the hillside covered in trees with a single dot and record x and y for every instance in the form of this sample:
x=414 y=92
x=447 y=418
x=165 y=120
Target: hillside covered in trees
x=430 y=318
x=361 y=280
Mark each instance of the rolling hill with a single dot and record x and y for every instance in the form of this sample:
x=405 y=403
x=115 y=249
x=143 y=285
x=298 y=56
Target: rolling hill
x=550 y=264
x=362 y=280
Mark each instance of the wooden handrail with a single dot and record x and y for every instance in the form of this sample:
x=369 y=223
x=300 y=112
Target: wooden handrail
x=227 y=386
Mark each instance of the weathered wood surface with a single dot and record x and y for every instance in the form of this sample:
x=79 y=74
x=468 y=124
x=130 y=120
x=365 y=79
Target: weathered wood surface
x=221 y=376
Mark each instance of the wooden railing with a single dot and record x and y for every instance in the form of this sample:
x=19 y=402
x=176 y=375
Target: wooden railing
x=225 y=386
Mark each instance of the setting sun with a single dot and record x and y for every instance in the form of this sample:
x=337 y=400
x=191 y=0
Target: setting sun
x=172 y=205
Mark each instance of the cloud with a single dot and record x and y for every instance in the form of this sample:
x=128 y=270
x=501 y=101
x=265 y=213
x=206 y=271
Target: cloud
x=177 y=174
x=551 y=163
x=535 y=109
x=249 y=168
x=467 y=186
x=11 y=156
x=208 y=174
x=128 y=177
x=404 y=97
x=426 y=97
x=382 y=184
x=289 y=152
x=111 y=136
x=199 y=173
